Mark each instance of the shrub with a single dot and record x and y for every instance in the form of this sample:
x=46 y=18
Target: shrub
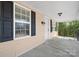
x=68 y=28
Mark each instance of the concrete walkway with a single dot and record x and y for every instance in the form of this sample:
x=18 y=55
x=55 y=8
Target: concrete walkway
x=55 y=48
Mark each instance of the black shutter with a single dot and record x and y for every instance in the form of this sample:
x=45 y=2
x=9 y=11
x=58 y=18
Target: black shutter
x=0 y=23
x=33 y=23
x=50 y=25
x=7 y=20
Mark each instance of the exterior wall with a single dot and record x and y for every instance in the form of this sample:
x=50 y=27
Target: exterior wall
x=53 y=34
x=16 y=47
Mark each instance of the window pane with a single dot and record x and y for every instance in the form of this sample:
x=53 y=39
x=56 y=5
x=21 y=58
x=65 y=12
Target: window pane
x=17 y=9
x=23 y=11
x=17 y=33
x=23 y=26
x=27 y=13
x=17 y=25
x=22 y=33
x=27 y=26
x=17 y=16
x=23 y=17
x=27 y=32
x=27 y=29
x=27 y=19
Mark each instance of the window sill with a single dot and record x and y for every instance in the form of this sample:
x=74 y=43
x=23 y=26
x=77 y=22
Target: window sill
x=24 y=37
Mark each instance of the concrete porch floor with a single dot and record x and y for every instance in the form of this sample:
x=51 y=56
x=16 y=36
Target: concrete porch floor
x=55 y=48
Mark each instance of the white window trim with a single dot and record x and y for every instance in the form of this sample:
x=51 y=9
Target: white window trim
x=17 y=38
x=22 y=21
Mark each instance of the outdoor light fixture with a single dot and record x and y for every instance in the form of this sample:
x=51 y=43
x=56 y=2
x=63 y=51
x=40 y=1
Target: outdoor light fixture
x=60 y=13
x=42 y=22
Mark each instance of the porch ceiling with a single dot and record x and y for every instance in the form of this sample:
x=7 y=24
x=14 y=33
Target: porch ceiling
x=69 y=9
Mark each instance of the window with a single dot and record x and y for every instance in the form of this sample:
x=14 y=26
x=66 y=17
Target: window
x=22 y=21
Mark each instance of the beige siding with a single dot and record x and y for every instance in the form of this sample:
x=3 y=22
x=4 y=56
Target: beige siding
x=53 y=34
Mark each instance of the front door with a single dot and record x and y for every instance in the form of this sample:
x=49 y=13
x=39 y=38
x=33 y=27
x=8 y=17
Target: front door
x=46 y=19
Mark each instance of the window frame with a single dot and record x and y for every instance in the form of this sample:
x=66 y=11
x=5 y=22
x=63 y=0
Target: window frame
x=27 y=22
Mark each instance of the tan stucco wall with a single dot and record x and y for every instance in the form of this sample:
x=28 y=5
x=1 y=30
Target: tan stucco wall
x=53 y=34
x=16 y=47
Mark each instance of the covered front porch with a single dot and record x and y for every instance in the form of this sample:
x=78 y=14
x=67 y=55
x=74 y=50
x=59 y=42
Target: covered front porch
x=55 y=47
